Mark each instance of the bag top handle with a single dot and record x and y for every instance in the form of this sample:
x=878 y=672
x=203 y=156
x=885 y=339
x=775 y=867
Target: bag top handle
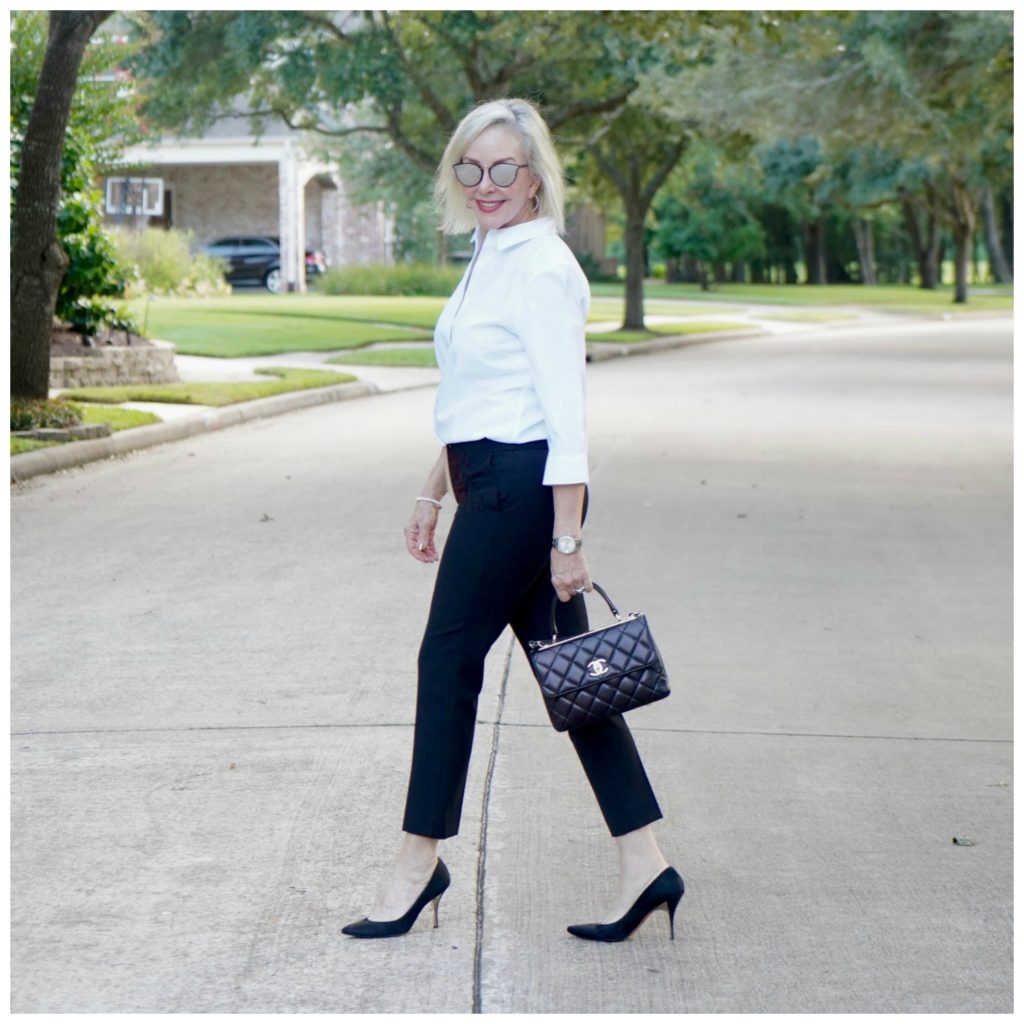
x=608 y=601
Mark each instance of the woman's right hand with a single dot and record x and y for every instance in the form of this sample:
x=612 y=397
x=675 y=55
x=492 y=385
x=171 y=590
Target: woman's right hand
x=419 y=532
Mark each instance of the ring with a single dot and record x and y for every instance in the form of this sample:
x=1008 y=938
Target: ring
x=579 y=590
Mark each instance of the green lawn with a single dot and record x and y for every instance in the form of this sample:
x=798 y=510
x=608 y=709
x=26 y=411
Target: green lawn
x=887 y=297
x=652 y=332
x=119 y=419
x=615 y=309
x=422 y=355
x=255 y=325
x=220 y=393
x=29 y=444
x=263 y=324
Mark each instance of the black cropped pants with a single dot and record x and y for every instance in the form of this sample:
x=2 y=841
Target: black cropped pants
x=495 y=571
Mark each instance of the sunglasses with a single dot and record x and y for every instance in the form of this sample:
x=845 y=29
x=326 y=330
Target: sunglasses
x=501 y=174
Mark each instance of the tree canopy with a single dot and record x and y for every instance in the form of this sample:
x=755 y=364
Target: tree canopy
x=911 y=107
x=849 y=115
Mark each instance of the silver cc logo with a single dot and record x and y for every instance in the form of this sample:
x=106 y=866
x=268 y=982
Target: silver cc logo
x=597 y=667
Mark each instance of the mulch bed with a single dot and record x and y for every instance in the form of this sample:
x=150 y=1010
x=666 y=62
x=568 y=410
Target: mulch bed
x=64 y=343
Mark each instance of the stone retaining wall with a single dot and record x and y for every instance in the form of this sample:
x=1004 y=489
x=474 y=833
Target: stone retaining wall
x=115 y=365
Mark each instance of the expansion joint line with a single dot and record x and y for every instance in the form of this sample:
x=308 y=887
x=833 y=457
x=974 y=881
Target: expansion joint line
x=481 y=864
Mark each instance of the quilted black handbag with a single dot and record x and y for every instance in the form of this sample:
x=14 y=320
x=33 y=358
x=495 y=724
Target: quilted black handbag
x=604 y=672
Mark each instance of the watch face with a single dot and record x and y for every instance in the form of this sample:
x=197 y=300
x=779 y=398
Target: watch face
x=567 y=545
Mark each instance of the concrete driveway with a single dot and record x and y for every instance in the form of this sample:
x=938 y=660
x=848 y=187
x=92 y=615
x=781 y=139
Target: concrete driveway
x=213 y=652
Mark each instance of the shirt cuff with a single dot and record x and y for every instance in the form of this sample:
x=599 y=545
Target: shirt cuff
x=565 y=469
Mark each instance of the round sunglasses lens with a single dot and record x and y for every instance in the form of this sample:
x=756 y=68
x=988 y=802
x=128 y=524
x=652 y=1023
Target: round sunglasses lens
x=503 y=174
x=468 y=174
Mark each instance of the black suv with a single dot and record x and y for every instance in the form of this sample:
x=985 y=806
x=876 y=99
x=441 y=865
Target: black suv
x=256 y=259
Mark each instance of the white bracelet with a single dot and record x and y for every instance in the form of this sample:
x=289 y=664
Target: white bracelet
x=433 y=501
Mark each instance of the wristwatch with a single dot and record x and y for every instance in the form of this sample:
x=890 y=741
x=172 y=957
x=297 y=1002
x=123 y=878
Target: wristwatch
x=567 y=545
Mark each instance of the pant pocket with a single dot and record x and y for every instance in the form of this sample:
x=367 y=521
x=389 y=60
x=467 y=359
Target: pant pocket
x=474 y=482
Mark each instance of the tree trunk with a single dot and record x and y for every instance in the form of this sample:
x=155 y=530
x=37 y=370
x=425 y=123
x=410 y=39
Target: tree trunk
x=634 y=243
x=819 y=230
x=739 y=273
x=869 y=237
x=638 y=171
x=37 y=260
x=864 y=236
x=1006 y=218
x=998 y=265
x=962 y=244
x=914 y=231
x=814 y=251
x=933 y=254
x=964 y=219
x=927 y=243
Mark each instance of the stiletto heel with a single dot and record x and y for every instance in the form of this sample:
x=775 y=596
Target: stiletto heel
x=670 y=909
x=665 y=891
x=432 y=893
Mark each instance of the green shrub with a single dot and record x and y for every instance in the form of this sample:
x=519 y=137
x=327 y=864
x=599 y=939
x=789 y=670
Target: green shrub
x=403 y=279
x=162 y=263
x=38 y=413
x=89 y=313
x=94 y=274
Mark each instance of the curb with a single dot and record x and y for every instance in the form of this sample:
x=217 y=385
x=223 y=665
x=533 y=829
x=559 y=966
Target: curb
x=981 y=314
x=50 y=460
x=599 y=351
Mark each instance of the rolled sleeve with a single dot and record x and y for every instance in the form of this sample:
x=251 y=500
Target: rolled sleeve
x=565 y=469
x=551 y=325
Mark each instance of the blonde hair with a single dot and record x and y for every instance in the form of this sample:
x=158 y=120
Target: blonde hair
x=523 y=119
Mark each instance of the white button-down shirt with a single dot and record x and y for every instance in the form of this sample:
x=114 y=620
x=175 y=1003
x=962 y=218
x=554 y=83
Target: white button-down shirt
x=512 y=350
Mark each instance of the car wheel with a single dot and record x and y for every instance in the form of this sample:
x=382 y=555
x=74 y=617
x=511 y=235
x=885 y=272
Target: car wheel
x=272 y=281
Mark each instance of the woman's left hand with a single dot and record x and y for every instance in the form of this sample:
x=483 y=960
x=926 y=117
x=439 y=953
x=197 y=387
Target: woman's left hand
x=569 y=574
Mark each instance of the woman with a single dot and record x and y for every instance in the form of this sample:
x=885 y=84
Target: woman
x=510 y=414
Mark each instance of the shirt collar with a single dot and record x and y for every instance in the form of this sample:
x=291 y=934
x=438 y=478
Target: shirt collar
x=505 y=238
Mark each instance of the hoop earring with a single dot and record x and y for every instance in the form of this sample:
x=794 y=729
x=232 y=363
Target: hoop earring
x=536 y=203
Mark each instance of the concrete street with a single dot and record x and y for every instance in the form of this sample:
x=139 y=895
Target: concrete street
x=213 y=665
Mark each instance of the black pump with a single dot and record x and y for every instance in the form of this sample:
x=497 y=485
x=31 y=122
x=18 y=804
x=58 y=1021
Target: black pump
x=367 y=929
x=666 y=890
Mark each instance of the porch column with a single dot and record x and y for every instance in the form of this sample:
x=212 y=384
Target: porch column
x=292 y=221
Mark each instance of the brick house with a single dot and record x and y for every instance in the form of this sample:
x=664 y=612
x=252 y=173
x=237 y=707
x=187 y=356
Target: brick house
x=227 y=182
